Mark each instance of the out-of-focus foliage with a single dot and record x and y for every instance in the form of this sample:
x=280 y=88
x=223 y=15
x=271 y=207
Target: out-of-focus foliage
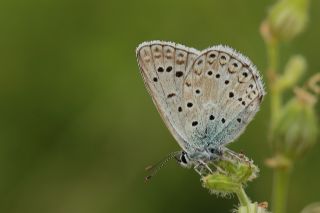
x=77 y=126
x=288 y=18
x=296 y=131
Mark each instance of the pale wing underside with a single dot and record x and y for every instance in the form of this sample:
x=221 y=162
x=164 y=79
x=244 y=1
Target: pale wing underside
x=222 y=92
x=164 y=66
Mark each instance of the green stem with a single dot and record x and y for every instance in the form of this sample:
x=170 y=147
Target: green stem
x=243 y=197
x=280 y=190
x=281 y=176
x=273 y=57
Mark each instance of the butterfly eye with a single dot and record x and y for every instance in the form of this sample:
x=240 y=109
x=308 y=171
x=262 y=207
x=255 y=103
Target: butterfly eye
x=183 y=158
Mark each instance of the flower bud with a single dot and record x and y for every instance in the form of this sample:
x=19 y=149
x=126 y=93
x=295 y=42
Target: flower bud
x=296 y=130
x=220 y=184
x=288 y=18
x=232 y=173
x=294 y=69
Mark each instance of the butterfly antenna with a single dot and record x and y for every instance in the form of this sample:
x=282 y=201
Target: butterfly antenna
x=156 y=167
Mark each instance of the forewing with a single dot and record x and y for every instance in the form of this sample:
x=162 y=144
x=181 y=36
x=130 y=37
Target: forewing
x=164 y=66
x=221 y=94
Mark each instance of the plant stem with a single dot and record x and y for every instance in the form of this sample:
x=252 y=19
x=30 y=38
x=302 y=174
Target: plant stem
x=281 y=175
x=280 y=190
x=272 y=48
x=243 y=197
x=273 y=56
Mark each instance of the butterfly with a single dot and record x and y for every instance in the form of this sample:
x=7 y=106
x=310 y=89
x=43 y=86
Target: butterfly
x=205 y=98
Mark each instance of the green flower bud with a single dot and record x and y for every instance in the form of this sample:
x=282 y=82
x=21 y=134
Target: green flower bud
x=294 y=69
x=296 y=130
x=288 y=18
x=241 y=170
x=232 y=173
x=220 y=184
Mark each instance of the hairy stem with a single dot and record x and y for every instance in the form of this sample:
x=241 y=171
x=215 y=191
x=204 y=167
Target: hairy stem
x=243 y=197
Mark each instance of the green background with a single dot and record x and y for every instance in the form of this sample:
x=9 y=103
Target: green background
x=77 y=127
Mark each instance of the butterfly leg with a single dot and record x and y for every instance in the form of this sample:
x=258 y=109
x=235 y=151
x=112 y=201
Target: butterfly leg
x=199 y=169
x=206 y=166
x=219 y=169
x=233 y=154
x=202 y=169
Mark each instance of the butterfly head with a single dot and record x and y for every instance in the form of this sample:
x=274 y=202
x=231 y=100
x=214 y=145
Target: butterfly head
x=206 y=155
x=183 y=159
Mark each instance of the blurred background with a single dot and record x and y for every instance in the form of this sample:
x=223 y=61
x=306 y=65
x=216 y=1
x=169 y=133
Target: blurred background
x=77 y=127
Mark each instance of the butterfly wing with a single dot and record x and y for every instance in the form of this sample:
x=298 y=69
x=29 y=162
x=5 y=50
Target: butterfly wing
x=221 y=94
x=164 y=66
